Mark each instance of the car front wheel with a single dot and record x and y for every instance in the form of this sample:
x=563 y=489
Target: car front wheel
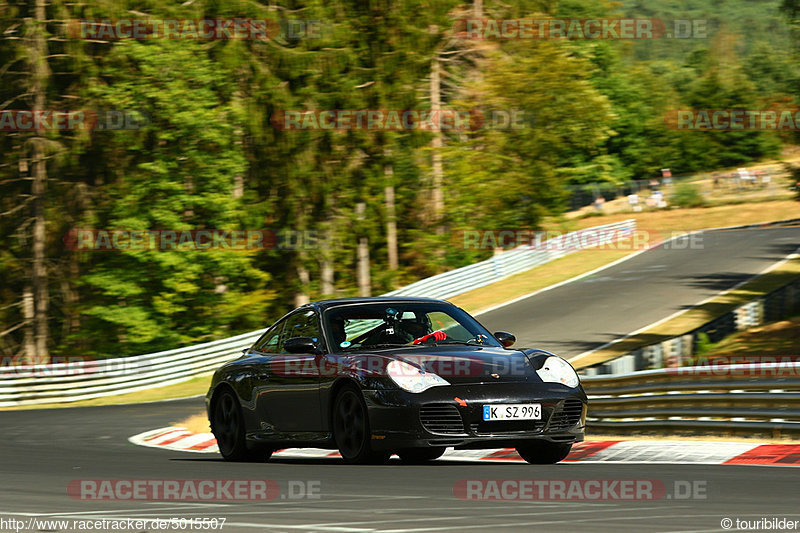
x=351 y=429
x=227 y=425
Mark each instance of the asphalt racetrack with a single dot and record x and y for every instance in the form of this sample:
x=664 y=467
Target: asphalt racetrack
x=589 y=312
x=43 y=451
x=46 y=451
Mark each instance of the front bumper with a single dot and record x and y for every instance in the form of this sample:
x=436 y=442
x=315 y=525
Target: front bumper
x=452 y=416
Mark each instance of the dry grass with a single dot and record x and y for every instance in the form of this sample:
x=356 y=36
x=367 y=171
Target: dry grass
x=697 y=316
x=692 y=218
x=663 y=223
x=538 y=278
x=723 y=193
x=776 y=339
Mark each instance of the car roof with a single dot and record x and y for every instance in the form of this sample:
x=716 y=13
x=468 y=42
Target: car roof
x=325 y=304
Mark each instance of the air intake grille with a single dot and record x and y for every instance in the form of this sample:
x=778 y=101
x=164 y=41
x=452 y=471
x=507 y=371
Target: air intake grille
x=566 y=415
x=507 y=427
x=441 y=418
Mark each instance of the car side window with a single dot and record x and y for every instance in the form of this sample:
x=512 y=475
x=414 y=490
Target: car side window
x=269 y=343
x=301 y=324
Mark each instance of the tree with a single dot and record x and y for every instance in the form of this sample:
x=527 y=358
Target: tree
x=511 y=176
x=179 y=173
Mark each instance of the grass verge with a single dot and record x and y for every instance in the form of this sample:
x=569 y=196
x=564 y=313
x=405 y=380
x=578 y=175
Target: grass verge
x=665 y=222
x=536 y=279
x=693 y=218
x=779 y=338
x=697 y=316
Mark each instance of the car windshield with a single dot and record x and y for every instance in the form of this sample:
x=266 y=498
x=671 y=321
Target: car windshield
x=395 y=324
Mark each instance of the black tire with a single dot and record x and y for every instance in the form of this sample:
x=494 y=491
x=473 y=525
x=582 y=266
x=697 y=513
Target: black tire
x=350 y=423
x=418 y=456
x=227 y=425
x=544 y=452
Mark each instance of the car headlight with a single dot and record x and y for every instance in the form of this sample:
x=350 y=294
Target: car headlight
x=557 y=370
x=410 y=378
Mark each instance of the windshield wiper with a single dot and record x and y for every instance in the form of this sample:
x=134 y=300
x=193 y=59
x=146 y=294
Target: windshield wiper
x=466 y=343
x=384 y=345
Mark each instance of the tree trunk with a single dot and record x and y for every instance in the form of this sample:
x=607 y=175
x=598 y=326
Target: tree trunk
x=391 y=217
x=301 y=296
x=364 y=282
x=188 y=186
x=39 y=268
x=72 y=296
x=437 y=196
x=29 y=346
x=326 y=269
x=238 y=186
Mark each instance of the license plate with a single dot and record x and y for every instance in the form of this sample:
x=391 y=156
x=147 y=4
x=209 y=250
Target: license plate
x=512 y=411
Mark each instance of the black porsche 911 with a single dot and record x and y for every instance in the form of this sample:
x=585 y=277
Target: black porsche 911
x=373 y=377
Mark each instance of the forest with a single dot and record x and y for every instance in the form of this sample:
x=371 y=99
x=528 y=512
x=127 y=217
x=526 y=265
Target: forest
x=176 y=188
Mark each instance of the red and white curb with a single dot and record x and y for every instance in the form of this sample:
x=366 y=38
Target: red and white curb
x=592 y=451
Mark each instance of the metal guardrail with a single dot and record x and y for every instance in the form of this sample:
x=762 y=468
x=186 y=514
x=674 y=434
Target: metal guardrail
x=757 y=396
x=85 y=380
x=505 y=264
x=69 y=382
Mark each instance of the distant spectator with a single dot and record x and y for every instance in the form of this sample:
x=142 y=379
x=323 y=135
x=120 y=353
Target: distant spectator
x=633 y=201
x=666 y=175
x=599 y=202
x=656 y=199
x=745 y=177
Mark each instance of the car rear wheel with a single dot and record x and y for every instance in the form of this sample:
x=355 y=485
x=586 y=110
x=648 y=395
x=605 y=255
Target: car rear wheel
x=351 y=429
x=544 y=452
x=417 y=456
x=227 y=424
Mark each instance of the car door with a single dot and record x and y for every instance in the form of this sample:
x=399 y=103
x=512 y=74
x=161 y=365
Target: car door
x=289 y=401
x=257 y=379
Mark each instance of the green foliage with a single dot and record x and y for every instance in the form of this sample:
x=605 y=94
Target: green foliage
x=703 y=345
x=794 y=178
x=687 y=195
x=592 y=116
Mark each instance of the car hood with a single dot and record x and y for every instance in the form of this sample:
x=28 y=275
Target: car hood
x=467 y=364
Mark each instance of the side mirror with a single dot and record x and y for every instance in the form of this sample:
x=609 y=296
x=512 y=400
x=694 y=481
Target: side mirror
x=505 y=338
x=300 y=345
